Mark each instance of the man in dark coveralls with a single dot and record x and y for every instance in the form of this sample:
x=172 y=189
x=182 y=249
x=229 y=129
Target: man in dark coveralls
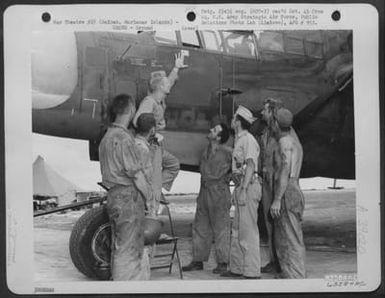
x=212 y=217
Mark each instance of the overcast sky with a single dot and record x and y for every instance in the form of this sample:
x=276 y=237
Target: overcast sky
x=70 y=159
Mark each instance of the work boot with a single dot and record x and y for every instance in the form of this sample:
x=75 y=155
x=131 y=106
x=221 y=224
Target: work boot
x=251 y=277
x=221 y=268
x=194 y=265
x=269 y=268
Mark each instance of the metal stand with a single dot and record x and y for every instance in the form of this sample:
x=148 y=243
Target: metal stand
x=169 y=240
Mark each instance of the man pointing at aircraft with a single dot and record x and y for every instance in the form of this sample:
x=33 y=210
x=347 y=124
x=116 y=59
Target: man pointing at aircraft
x=166 y=166
x=160 y=87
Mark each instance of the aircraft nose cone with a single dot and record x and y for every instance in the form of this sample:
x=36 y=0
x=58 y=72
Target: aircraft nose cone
x=54 y=68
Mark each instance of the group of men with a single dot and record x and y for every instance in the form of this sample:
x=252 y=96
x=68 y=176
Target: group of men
x=135 y=167
x=266 y=171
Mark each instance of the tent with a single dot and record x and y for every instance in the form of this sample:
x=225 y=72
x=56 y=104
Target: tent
x=47 y=183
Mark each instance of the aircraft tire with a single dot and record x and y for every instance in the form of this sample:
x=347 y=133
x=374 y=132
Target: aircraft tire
x=86 y=252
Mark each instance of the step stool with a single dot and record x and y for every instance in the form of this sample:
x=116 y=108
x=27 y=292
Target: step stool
x=173 y=240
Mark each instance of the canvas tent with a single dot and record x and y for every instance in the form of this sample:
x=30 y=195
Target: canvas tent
x=47 y=183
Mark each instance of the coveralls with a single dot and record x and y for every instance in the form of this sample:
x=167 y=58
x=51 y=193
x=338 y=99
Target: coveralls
x=245 y=251
x=288 y=234
x=120 y=166
x=212 y=217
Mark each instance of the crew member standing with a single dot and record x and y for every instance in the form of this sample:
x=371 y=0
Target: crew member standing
x=123 y=173
x=269 y=158
x=212 y=217
x=144 y=133
x=245 y=257
x=166 y=165
x=288 y=205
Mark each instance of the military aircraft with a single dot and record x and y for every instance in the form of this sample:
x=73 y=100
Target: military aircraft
x=75 y=74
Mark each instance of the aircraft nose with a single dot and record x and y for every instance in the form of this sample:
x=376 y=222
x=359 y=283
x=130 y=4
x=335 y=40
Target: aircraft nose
x=54 y=68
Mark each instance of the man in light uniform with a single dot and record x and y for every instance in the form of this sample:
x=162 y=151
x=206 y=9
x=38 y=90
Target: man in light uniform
x=212 y=217
x=245 y=257
x=160 y=87
x=123 y=173
x=269 y=155
x=288 y=205
x=144 y=132
x=166 y=166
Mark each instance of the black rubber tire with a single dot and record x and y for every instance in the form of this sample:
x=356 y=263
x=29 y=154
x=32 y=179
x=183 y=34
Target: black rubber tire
x=80 y=244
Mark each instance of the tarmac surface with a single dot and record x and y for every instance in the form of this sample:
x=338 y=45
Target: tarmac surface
x=329 y=231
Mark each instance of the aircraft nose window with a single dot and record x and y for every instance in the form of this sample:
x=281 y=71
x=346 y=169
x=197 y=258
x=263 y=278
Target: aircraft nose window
x=167 y=37
x=212 y=40
x=190 y=39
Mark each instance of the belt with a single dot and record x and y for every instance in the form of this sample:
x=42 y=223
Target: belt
x=208 y=183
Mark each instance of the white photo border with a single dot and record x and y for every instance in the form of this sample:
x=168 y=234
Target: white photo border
x=361 y=18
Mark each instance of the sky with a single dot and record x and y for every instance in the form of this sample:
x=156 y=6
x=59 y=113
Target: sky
x=70 y=159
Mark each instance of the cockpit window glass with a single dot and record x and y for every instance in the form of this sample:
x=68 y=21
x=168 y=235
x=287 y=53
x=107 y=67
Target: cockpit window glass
x=314 y=44
x=166 y=37
x=294 y=45
x=190 y=39
x=241 y=44
x=270 y=41
x=302 y=43
x=212 y=40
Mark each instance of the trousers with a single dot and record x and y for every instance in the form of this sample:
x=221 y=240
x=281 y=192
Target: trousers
x=288 y=235
x=165 y=169
x=212 y=220
x=125 y=208
x=267 y=200
x=245 y=255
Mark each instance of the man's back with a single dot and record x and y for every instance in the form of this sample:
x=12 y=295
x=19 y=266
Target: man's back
x=118 y=159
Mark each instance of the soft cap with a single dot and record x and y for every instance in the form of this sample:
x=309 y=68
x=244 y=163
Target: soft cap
x=284 y=118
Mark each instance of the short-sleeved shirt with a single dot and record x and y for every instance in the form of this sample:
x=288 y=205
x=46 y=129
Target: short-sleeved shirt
x=119 y=159
x=145 y=156
x=151 y=105
x=245 y=147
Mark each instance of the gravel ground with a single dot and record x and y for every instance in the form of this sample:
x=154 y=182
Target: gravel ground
x=329 y=231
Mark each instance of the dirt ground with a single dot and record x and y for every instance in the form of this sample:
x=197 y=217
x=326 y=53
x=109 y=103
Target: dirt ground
x=329 y=231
